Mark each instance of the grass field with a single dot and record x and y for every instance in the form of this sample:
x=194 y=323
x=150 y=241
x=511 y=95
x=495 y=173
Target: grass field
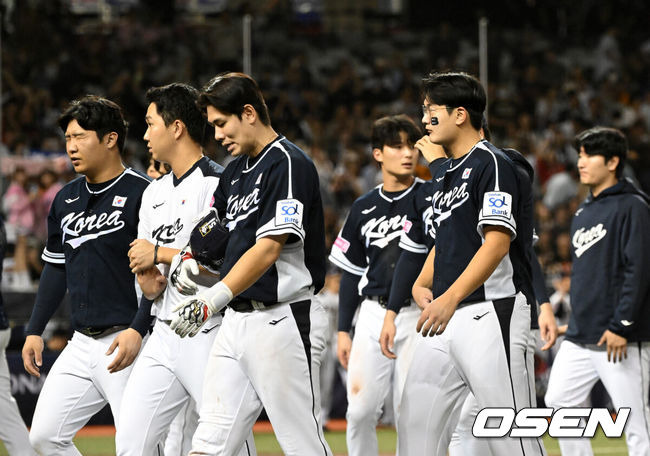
x=267 y=445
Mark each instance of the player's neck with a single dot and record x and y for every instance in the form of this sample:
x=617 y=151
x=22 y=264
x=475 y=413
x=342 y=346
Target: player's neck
x=394 y=183
x=184 y=157
x=264 y=136
x=463 y=143
x=106 y=173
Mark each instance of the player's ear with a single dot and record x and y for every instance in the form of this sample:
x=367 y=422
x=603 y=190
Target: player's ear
x=178 y=128
x=461 y=115
x=248 y=113
x=612 y=163
x=111 y=139
x=378 y=155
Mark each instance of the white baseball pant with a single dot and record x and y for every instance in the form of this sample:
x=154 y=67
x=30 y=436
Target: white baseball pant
x=575 y=371
x=78 y=386
x=265 y=358
x=169 y=370
x=13 y=431
x=329 y=362
x=483 y=349
x=463 y=442
x=372 y=376
x=178 y=441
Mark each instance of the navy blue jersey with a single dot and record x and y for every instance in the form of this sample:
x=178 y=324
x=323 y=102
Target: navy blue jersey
x=368 y=244
x=419 y=238
x=522 y=247
x=89 y=231
x=610 y=277
x=275 y=193
x=477 y=190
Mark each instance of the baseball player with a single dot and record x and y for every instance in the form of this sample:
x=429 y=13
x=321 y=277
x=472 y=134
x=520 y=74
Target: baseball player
x=366 y=250
x=268 y=350
x=609 y=329
x=12 y=429
x=480 y=318
x=416 y=244
x=462 y=441
x=170 y=369
x=90 y=224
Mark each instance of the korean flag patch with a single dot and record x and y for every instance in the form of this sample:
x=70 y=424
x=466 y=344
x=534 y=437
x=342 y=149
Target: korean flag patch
x=119 y=201
x=497 y=204
x=289 y=212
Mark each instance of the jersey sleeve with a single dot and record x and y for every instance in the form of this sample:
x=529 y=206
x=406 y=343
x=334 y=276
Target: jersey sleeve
x=209 y=190
x=348 y=252
x=219 y=201
x=284 y=198
x=144 y=215
x=635 y=245
x=497 y=197
x=53 y=251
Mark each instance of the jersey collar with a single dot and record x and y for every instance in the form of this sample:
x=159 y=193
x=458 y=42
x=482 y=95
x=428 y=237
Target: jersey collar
x=251 y=163
x=101 y=188
x=380 y=189
x=177 y=180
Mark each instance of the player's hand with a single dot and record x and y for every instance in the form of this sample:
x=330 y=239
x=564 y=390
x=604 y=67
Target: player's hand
x=140 y=255
x=387 y=336
x=189 y=316
x=343 y=347
x=422 y=296
x=33 y=355
x=616 y=346
x=547 y=325
x=192 y=313
x=184 y=267
x=562 y=329
x=430 y=151
x=436 y=315
x=128 y=343
x=152 y=282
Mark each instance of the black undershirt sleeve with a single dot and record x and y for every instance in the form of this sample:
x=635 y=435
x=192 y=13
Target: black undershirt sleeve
x=51 y=290
x=434 y=165
x=407 y=269
x=142 y=320
x=348 y=299
x=539 y=283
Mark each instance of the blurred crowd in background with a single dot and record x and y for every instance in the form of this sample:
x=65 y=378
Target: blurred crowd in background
x=327 y=74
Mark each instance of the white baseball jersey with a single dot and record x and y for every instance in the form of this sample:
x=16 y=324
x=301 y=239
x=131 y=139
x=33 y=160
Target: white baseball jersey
x=169 y=206
x=170 y=369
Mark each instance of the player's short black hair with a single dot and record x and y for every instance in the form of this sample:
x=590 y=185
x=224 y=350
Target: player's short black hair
x=177 y=101
x=605 y=141
x=386 y=131
x=456 y=89
x=96 y=114
x=487 y=134
x=230 y=92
